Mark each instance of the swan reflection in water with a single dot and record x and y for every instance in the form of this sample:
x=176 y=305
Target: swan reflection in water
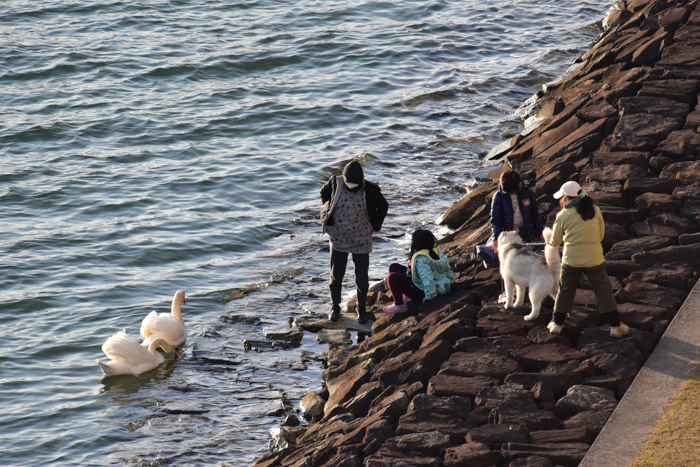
x=131 y=384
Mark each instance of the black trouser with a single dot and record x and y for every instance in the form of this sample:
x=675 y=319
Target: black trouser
x=339 y=262
x=600 y=283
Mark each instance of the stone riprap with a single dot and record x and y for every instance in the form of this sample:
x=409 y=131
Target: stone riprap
x=461 y=381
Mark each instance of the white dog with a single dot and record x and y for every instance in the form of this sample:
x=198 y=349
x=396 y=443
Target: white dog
x=522 y=267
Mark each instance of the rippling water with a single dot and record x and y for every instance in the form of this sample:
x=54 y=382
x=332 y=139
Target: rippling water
x=151 y=146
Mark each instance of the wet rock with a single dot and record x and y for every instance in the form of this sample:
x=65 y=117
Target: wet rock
x=346 y=321
x=427 y=443
x=492 y=396
x=656 y=203
x=564 y=454
x=283 y=333
x=283 y=438
x=458 y=213
x=471 y=364
x=523 y=411
x=214 y=353
x=496 y=435
x=469 y=455
x=538 y=357
x=337 y=337
x=580 y=398
x=409 y=367
x=593 y=421
x=291 y=420
x=344 y=387
x=653 y=105
x=679 y=145
x=451 y=385
x=312 y=406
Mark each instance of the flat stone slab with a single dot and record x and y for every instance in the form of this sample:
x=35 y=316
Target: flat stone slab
x=346 y=321
x=283 y=333
x=333 y=336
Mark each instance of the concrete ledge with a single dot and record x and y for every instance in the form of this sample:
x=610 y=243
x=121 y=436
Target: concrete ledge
x=661 y=377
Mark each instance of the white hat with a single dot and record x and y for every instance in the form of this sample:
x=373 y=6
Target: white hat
x=569 y=189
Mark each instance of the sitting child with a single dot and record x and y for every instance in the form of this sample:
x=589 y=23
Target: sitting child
x=429 y=273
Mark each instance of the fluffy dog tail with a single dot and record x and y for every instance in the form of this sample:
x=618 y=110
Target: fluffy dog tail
x=551 y=254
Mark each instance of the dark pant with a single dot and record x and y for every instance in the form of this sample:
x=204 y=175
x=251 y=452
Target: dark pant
x=339 y=262
x=600 y=282
x=400 y=284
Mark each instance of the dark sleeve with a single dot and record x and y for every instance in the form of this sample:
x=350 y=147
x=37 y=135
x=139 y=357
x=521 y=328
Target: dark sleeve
x=382 y=207
x=496 y=215
x=535 y=214
x=327 y=190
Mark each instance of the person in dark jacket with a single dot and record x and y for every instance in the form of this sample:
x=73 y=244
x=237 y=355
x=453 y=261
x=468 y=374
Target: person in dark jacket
x=353 y=209
x=512 y=192
x=514 y=207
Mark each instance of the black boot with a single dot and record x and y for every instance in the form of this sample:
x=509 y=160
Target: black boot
x=334 y=314
x=361 y=316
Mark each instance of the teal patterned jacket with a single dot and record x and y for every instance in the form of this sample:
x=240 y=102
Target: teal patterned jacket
x=433 y=277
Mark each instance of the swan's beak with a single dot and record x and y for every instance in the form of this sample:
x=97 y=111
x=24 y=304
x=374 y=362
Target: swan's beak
x=184 y=302
x=176 y=353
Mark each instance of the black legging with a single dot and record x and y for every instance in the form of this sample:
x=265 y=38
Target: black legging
x=339 y=261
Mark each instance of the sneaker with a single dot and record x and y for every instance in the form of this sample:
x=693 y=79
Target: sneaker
x=555 y=328
x=619 y=331
x=393 y=309
x=502 y=297
x=405 y=298
x=362 y=317
x=334 y=314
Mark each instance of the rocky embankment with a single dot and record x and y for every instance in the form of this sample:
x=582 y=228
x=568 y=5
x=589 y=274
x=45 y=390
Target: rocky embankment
x=460 y=381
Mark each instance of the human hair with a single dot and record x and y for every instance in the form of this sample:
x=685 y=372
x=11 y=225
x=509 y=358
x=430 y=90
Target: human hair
x=510 y=181
x=423 y=240
x=585 y=206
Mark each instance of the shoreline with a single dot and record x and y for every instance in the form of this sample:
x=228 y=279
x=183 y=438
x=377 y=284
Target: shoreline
x=462 y=381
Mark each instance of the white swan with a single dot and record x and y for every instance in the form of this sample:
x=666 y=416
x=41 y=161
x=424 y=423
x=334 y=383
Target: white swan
x=128 y=357
x=167 y=326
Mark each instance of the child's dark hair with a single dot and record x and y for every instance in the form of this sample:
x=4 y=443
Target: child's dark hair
x=585 y=206
x=423 y=240
x=510 y=181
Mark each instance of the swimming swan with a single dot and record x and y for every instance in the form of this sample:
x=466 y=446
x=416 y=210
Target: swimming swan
x=167 y=326
x=128 y=357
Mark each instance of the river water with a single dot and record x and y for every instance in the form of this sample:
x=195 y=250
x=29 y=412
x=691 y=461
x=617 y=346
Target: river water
x=152 y=146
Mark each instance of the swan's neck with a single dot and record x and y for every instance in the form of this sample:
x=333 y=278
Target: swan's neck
x=176 y=310
x=153 y=347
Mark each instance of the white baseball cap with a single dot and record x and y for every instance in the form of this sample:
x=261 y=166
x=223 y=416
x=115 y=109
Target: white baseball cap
x=569 y=189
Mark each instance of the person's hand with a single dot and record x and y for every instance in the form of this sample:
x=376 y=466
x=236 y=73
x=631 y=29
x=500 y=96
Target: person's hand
x=495 y=246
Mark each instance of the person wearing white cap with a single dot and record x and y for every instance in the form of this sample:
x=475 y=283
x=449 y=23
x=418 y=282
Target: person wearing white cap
x=579 y=225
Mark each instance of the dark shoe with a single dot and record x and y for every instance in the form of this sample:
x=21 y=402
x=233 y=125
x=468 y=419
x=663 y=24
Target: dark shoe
x=334 y=314
x=362 y=317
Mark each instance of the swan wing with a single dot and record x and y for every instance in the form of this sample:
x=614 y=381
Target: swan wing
x=123 y=347
x=148 y=323
x=168 y=327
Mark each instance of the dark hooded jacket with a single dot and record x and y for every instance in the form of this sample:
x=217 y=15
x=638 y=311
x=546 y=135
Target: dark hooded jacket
x=377 y=206
x=502 y=214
